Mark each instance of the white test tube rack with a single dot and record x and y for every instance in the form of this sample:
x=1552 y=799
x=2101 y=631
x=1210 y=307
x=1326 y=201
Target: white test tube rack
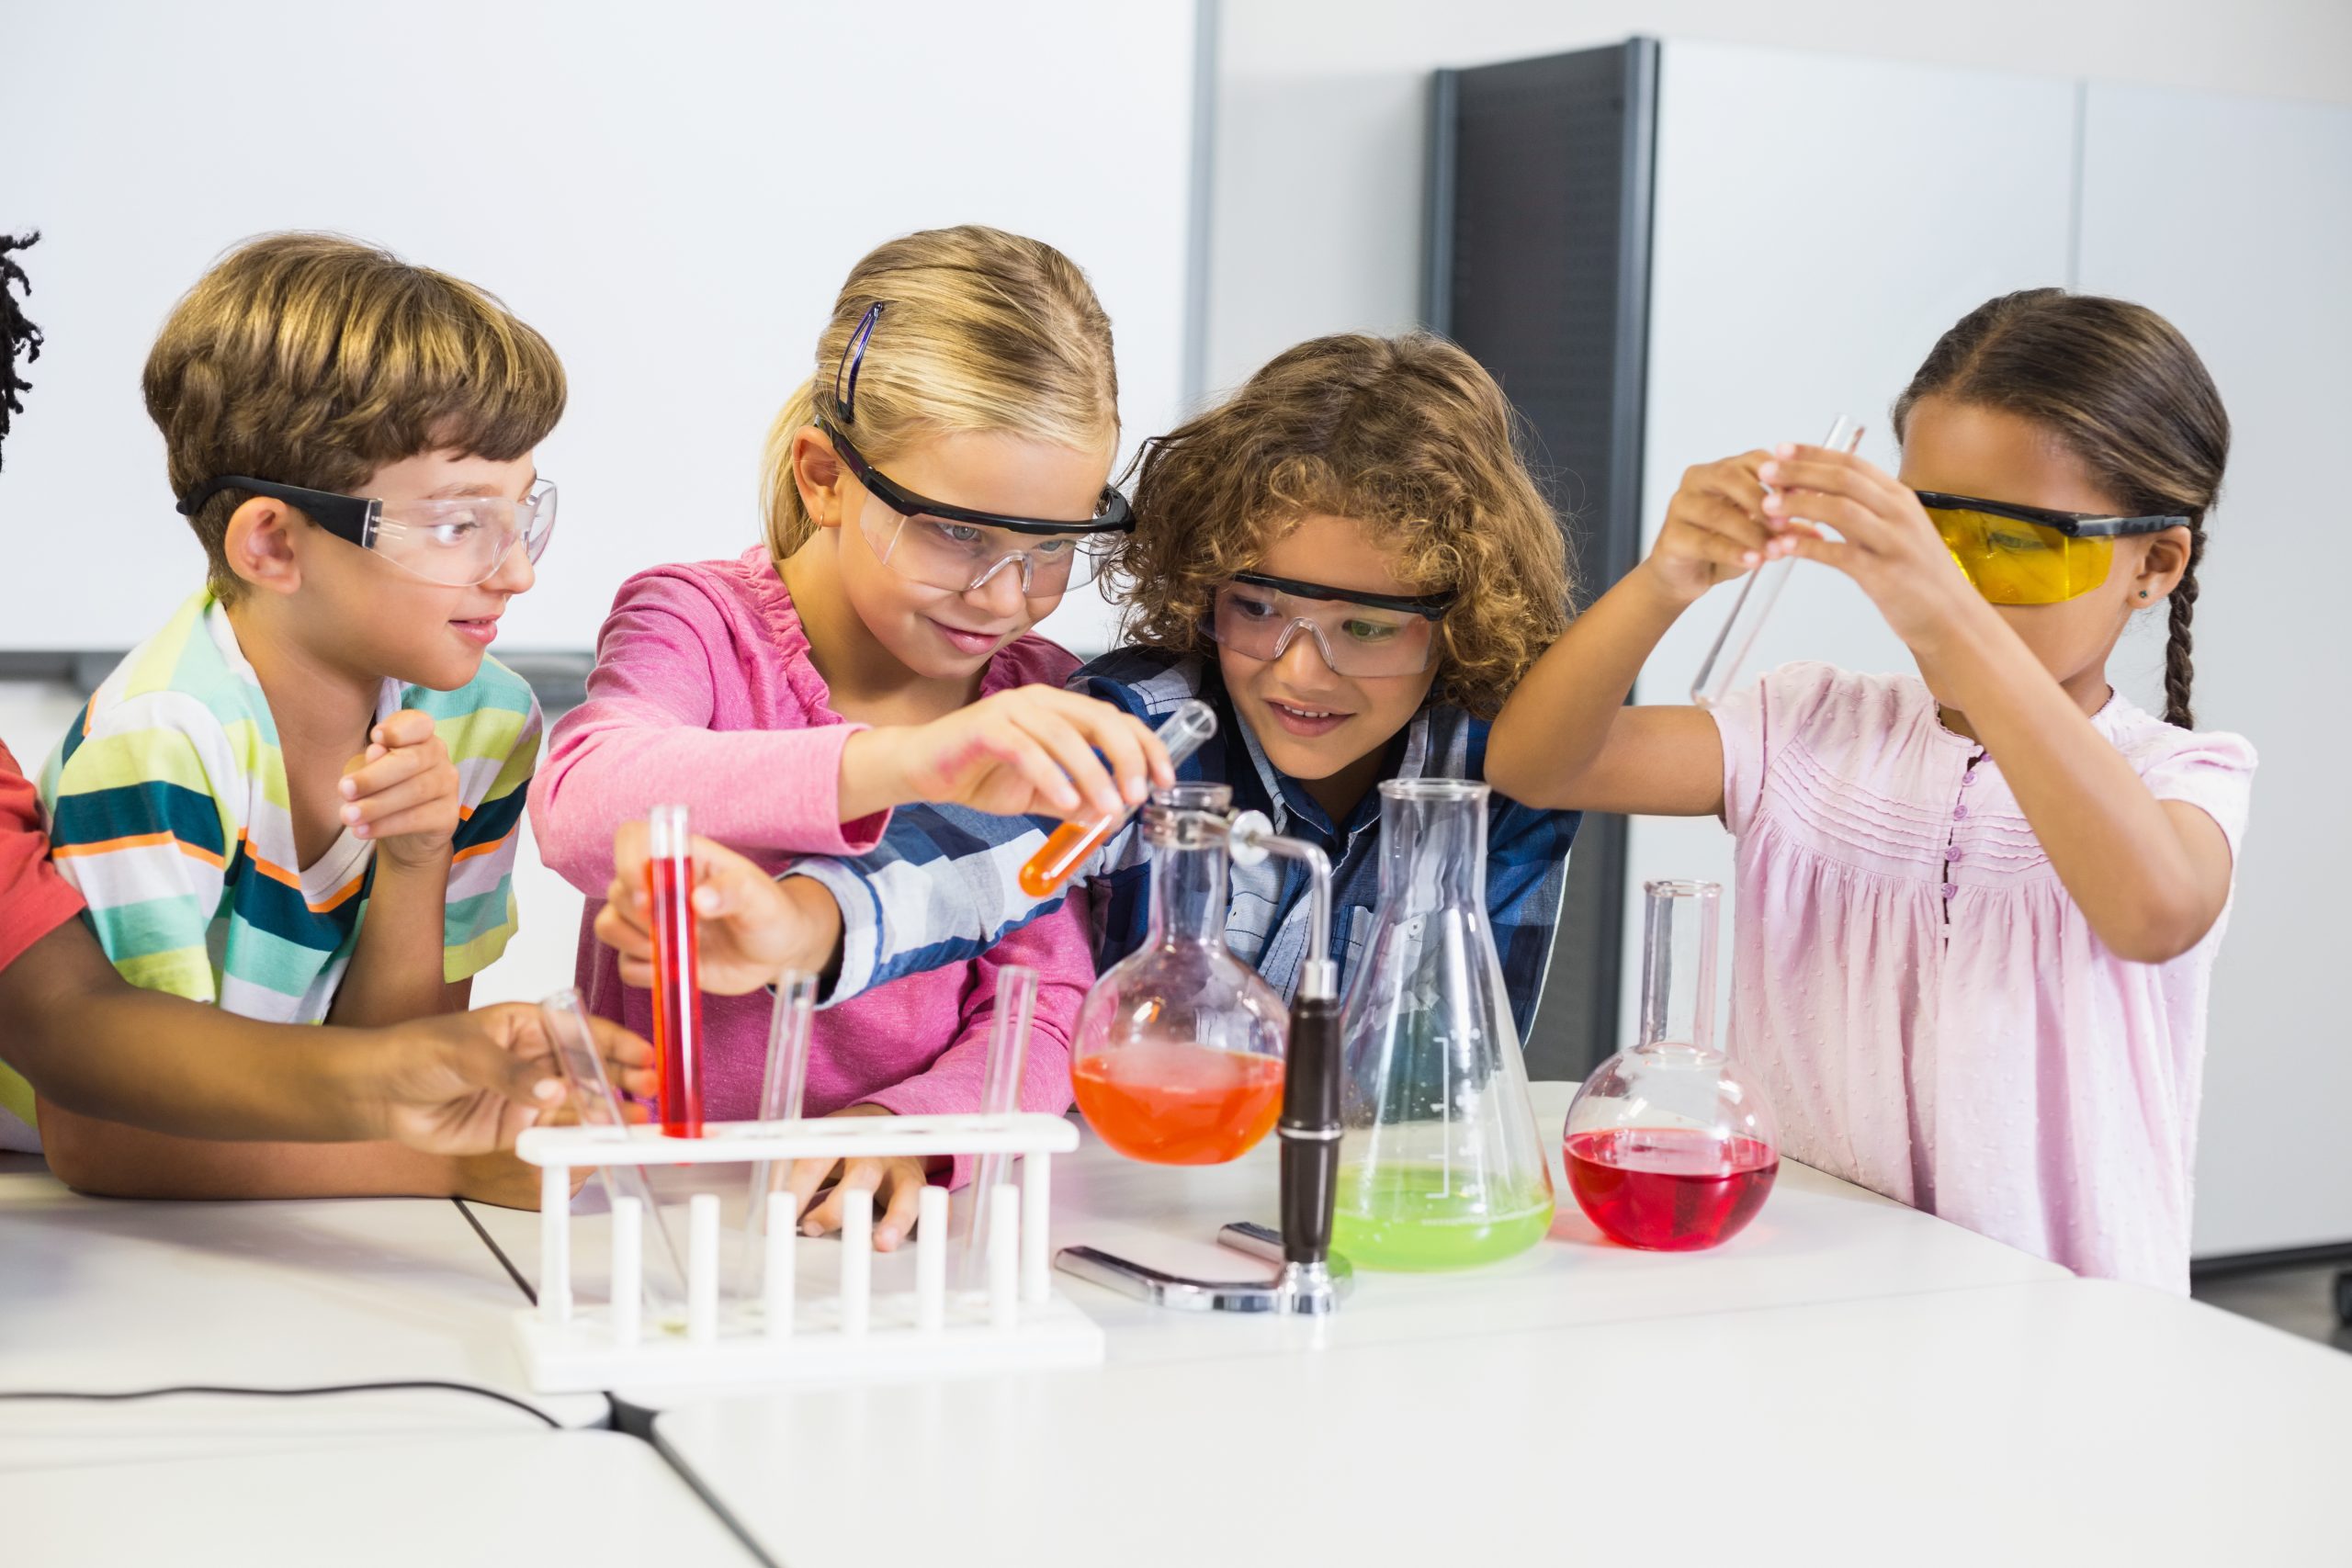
x=783 y=1332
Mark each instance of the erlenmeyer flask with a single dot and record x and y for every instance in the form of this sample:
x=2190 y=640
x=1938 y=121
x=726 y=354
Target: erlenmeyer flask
x=1441 y=1166
x=1177 y=1055
x=1667 y=1147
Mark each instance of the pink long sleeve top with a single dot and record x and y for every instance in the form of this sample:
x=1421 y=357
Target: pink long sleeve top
x=704 y=694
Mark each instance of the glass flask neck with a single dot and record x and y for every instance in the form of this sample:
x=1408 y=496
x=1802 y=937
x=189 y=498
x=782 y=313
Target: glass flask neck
x=1185 y=827
x=1433 y=845
x=1679 y=963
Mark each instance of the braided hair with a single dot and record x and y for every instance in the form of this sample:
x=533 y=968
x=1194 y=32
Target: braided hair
x=2119 y=387
x=14 y=331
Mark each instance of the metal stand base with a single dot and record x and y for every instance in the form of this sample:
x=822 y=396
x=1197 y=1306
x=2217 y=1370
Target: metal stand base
x=1306 y=1290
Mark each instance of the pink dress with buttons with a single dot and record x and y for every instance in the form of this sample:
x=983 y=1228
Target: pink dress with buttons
x=1931 y=1013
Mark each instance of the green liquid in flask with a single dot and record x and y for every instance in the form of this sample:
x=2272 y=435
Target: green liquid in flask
x=1405 y=1218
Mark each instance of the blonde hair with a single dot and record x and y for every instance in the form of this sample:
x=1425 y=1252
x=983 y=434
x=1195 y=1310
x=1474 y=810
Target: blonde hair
x=314 y=360
x=980 y=331
x=1408 y=436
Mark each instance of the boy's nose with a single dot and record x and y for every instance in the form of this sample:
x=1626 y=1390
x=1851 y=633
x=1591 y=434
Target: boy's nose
x=1302 y=662
x=515 y=574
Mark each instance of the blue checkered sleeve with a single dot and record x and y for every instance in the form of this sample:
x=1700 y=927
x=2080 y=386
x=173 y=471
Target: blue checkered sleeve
x=1527 y=853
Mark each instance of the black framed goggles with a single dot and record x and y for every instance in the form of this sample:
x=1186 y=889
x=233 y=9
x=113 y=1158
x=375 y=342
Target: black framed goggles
x=2074 y=524
x=456 y=541
x=1429 y=607
x=2031 y=555
x=1112 y=515
x=1259 y=615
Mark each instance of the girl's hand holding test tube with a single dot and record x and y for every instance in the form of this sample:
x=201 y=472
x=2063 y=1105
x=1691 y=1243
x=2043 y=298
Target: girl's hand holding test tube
x=1032 y=750
x=751 y=927
x=1717 y=528
x=1885 y=542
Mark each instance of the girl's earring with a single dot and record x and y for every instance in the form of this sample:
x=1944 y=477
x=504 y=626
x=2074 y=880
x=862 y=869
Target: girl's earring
x=2143 y=594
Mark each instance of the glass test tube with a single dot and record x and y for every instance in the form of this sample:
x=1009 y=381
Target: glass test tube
x=1192 y=722
x=596 y=1105
x=1757 y=596
x=783 y=1092
x=677 y=983
x=1016 y=1003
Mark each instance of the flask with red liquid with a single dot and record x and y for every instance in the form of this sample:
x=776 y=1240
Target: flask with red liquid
x=1177 y=1057
x=677 y=973
x=1668 y=1148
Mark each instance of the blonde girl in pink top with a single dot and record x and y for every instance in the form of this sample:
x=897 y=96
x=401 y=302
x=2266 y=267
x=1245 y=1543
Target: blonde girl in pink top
x=1976 y=909
x=931 y=491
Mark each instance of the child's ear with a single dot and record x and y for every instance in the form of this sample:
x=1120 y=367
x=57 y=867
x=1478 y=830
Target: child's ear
x=259 y=545
x=2161 y=567
x=817 y=470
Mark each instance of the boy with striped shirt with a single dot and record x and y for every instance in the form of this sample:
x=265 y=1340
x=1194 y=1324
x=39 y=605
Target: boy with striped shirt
x=298 y=800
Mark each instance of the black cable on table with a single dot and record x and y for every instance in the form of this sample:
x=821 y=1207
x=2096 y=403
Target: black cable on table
x=531 y=1410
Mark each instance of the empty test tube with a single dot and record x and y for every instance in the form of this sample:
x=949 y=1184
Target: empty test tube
x=598 y=1107
x=1192 y=722
x=1016 y=1004
x=1757 y=596
x=783 y=1089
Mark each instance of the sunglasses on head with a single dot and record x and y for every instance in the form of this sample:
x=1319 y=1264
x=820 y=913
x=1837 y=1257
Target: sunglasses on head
x=2031 y=555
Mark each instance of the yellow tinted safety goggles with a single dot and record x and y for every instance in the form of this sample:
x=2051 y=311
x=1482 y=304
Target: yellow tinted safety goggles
x=2029 y=555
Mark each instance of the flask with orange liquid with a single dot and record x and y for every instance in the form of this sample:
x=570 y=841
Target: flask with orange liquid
x=1178 y=1054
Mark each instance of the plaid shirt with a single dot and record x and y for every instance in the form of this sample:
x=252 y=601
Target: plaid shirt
x=944 y=885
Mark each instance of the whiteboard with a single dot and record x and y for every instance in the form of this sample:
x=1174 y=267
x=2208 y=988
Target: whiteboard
x=671 y=193
x=1939 y=188
x=2234 y=217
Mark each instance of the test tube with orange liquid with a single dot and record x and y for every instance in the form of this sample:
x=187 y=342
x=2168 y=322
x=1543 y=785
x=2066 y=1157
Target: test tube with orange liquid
x=1069 y=845
x=677 y=971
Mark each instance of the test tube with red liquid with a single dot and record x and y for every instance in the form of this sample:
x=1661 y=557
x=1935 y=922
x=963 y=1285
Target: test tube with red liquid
x=677 y=973
x=1069 y=845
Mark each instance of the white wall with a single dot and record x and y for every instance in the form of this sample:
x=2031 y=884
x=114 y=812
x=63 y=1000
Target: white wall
x=1316 y=209
x=673 y=195
x=2253 y=204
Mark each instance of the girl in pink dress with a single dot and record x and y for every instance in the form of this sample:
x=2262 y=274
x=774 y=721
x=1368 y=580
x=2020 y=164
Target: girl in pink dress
x=1976 y=909
x=876 y=651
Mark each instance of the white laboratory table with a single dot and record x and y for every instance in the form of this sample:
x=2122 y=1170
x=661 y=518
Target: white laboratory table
x=583 y=1499
x=1818 y=1239
x=2064 y=1422
x=102 y=1295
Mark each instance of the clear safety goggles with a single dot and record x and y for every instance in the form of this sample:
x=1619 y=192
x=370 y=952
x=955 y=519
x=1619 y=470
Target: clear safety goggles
x=458 y=541
x=961 y=548
x=1357 y=634
x=2031 y=555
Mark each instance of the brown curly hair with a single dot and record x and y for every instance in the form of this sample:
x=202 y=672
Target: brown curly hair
x=1408 y=434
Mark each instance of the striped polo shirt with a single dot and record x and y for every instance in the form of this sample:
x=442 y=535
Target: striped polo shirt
x=168 y=810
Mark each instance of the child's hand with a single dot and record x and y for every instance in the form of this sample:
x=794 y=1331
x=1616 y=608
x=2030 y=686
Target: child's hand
x=467 y=1083
x=1030 y=750
x=403 y=791
x=1715 y=529
x=897 y=1184
x=1886 y=543
x=751 y=927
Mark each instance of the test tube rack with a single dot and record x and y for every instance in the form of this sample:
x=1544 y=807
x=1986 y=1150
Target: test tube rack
x=1016 y=1320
